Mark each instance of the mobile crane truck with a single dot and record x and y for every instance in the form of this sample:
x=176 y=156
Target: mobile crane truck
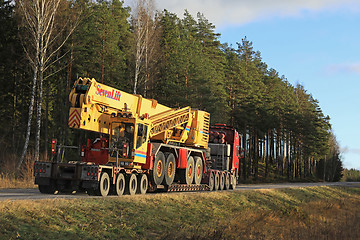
x=143 y=146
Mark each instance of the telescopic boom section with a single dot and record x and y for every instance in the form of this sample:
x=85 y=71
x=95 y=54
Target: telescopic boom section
x=171 y=125
x=190 y=127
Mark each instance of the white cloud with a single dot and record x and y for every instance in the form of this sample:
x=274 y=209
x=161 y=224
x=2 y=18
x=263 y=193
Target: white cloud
x=351 y=157
x=351 y=150
x=344 y=68
x=237 y=12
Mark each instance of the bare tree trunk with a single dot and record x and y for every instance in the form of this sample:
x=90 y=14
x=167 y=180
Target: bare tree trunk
x=70 y=68
x=39 y=109
x=272 y=147
x=283 y=153
x=253 y=153
x=325 y=168
x=267 y=154
x=256 y=156
x=137 y=63
x=145 y=38
x=146 y=58
x=46 y=126
x=288 y=154
x=15 y=121
x=245 y=155
x=277 y=159
x=31 y=110
x=295 y=159
x=103 y=60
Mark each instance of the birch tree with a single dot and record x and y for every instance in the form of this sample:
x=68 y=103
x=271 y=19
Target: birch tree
x=41 y=44
x=146 y=40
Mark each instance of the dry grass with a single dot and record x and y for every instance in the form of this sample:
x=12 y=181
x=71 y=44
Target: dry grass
x=317 y=220
x=311 y=213
x=318 y=213
x=10 y=177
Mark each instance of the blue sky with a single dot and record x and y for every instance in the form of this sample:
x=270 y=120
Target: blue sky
x=312 y=42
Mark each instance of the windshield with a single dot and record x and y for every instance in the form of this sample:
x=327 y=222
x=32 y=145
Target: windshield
x=141 y=136
x=122 y=140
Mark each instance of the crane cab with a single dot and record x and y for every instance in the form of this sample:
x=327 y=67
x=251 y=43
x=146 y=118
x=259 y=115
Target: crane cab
x=128 y=142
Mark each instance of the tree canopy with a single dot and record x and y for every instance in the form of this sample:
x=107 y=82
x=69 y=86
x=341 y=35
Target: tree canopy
x=285 y=134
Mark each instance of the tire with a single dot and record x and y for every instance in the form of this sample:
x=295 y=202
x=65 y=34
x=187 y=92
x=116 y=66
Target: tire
x=157 y=173
x=143 y=184
x=211 y=182
x=187 y=176
x=222 y=181
x=47 y=189
x=233 y=182
x=170 y=167
x=120 y=184
x=131 y=184
x=227 y=181
x=90 y=192
x=103 y=188
x=198 y=170
x=217 y=182
x=104 y=185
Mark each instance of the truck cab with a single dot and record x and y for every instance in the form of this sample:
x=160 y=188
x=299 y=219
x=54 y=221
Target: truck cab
x=225 y=148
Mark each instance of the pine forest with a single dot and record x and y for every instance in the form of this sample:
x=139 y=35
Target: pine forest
x=177 y=60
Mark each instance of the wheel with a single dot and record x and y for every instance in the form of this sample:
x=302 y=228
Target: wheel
x=120 y=184
x=187 y=176
x=211 y=181
x=158 y=168
x=227 y=181
x=217 y=182
x=47 y=189
x=198 y=173
x=233 y=182
x=222 y=181
x=170 y=167
x=143 y=184
x=131 y=184
x=104 y=185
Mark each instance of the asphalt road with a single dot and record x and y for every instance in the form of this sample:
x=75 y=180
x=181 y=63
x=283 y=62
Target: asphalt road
x=34 y=194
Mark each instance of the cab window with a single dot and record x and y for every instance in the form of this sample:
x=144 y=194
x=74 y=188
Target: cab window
x=122 y=134
x=141 y=135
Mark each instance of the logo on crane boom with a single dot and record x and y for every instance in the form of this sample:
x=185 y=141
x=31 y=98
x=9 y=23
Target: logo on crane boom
x=114 y=94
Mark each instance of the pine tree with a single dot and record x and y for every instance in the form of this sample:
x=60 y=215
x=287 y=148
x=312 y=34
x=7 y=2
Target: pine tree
x=102 y=44
x=14 y=80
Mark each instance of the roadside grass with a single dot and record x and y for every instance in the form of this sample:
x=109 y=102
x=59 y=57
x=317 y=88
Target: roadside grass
x=11 y=177
x=11 y=181
x=308 y=213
